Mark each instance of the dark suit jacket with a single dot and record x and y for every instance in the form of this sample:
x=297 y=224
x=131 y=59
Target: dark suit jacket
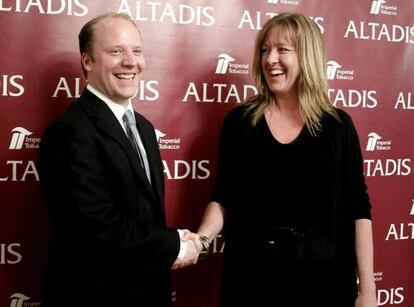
x=110 y=245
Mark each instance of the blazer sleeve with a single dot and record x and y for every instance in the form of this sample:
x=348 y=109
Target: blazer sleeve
x=362 y=205
x=74 y=181
x=231 y=135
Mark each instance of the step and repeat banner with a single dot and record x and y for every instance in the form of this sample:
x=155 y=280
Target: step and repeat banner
x=199 y=65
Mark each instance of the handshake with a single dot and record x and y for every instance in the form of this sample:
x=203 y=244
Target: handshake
x=194 y=245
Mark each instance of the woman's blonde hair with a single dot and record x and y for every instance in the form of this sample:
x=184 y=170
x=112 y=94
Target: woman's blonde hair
x=312 y=82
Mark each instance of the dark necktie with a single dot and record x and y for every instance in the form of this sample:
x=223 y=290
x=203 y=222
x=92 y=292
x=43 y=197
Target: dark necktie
x=132 y=132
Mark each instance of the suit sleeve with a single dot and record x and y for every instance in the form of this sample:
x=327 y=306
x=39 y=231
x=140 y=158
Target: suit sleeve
x=74 y=181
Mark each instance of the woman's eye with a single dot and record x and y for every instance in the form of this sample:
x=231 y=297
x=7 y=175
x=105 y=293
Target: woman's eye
x=285 y=50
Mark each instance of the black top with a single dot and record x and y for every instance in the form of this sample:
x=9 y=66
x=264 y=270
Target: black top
x=285 y=169
x=312 y=182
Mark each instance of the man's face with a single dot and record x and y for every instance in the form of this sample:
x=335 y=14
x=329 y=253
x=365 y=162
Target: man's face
x=117 y=59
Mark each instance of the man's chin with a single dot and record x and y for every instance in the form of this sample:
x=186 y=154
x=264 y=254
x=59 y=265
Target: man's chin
x=126 y=94
x=134 y=92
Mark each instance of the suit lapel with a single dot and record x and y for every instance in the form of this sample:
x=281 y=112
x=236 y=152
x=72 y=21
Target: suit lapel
x=151 y=147
x=106 y=122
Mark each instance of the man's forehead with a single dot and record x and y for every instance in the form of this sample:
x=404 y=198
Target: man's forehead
x=117 y=28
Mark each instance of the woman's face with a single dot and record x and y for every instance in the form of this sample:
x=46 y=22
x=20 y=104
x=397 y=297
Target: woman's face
x=280 y=63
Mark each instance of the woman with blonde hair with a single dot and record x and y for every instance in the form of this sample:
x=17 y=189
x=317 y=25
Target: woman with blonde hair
x=290 y=190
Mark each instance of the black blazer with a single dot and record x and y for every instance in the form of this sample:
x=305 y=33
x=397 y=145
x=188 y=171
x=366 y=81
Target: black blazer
x=110 y=245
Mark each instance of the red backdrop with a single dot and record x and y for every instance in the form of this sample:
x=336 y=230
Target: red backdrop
x=199 y=56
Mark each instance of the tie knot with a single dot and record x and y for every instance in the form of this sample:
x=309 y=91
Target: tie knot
x=128 y=117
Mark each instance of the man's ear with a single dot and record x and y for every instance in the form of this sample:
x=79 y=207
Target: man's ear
x=87 y=61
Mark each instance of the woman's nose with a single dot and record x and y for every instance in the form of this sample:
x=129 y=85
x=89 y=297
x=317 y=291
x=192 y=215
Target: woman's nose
x=273 y=57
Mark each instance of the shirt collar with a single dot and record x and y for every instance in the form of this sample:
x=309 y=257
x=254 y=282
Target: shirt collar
x=116 y=108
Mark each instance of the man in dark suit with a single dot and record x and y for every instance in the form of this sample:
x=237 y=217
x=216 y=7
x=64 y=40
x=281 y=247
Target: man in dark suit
x=104 y=188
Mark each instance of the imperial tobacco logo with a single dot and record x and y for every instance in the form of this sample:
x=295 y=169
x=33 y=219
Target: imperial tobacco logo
x=372 y=141
x=379 y=7
x=159 y=134
x=225 y=65
x=376 y=6
x=332 y=67
x=18 y=299
x=18 y=137
x=291 y=2
x=334 y=72
x=167 y=143
x=375 y=142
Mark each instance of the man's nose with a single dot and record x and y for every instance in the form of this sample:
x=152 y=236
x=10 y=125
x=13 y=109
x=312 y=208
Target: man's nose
x=129 y=59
